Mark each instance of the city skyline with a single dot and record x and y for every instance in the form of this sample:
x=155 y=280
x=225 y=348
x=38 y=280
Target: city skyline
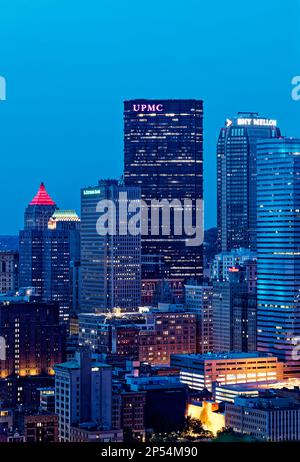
x=63 y=113
x=151 y=169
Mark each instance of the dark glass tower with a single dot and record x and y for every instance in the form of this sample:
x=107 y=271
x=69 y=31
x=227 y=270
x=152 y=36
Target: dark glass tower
x=278 y=249
x=61 y=253
x=163 y=143
x=236 y=191
x=31 y=240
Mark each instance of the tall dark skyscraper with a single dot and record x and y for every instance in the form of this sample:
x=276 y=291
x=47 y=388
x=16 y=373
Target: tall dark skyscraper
x=236 y=164
x=163 y=143
x=110 y=263
x=278 y=249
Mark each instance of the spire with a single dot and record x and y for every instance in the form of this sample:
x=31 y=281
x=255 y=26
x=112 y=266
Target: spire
x=42 y=197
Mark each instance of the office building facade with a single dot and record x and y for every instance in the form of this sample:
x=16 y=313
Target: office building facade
x=163 y=143
x=265 y=418
x=34 y=339
x=234 y=314
x=83 y=394
x=278 y=249
x=9 y=271
x=61 y=254
x=199 y=301
x=110 y=263
x=204 y=371
x=236 y=179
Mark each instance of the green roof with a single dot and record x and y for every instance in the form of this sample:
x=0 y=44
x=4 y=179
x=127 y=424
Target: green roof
x=65 y=215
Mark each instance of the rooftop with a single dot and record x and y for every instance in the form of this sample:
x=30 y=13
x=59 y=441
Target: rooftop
x=74 y=364
x=65 y=215
x=267 y=403
x=216 y=356
x=42 y=197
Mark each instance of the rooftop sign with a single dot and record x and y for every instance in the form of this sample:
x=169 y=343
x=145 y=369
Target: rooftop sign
x=257 y=122
x=147 y=107
x=91 y=192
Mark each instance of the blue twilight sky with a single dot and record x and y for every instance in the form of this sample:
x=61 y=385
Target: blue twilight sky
x=69 y=64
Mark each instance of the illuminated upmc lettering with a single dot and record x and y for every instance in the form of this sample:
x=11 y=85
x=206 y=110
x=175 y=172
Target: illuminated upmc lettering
x=148 y=107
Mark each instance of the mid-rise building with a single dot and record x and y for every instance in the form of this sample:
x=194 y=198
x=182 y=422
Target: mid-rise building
x=224 y=261
x=234 y=314
x=174 y=332
x=41 y=428
x=266 y=418
x=92 y=433
x=133 y=414
x=9 y=271
x=34 y=338
x=151 y=336
x=83 y=393
x=198 y=300
x=164 y=396
x=204 y=371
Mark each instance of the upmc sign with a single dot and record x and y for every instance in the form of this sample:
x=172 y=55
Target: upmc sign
x=148 y=107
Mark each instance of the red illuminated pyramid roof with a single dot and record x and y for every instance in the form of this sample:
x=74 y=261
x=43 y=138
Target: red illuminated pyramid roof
x=42 y=197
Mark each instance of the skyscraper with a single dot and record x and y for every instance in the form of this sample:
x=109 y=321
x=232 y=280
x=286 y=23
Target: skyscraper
x=61 y=253
x=31 y=240
x=278 y=247
x=163 y=143
x=49 y=247
x=110 y=263
x=236 y=188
